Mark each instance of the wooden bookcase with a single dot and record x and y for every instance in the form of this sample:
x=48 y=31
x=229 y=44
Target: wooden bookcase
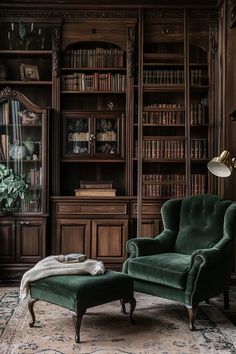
x=133 y=96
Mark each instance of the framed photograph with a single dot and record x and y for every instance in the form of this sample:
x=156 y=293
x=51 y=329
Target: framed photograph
x=29 y=72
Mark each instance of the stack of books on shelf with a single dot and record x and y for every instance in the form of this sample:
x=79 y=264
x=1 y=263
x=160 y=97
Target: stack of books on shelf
x=95 y=189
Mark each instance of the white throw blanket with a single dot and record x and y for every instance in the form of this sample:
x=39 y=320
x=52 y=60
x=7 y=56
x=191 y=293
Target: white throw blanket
x=51 y=266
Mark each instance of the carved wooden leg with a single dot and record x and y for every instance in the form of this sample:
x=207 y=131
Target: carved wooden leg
x=226 y=300
x=132 y=302
x=123 y=308
x=77 y=317
x=31 y=310
x=192 y=311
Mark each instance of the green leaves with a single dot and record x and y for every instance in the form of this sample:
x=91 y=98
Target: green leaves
x=12 y=187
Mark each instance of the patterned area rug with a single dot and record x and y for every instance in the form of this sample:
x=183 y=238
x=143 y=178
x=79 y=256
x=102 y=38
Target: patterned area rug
x=161 y=326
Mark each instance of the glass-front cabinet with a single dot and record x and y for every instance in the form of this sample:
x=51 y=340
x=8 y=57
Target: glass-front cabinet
x=92 y=134
x=23 y=131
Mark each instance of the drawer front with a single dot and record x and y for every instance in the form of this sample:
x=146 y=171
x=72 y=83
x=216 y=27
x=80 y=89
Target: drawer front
x=93 y=208
x=147 y=209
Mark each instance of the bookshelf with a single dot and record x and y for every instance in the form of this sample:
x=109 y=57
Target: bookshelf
x=93 y=125
x=173 y=109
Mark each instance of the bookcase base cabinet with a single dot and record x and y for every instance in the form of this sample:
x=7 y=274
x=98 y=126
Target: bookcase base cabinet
x=22 y=244
x=101 y=234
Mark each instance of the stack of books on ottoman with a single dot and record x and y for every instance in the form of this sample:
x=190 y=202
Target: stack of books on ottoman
x=95 y=189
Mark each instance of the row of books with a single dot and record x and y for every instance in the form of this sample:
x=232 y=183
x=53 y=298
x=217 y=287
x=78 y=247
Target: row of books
x=198 y=113
x=9 y=112
x=4 y=147
x=163 y=77
x=198 y=149
x=4 y=113
x=94 y=82
x=157 y=190
x=173 y=77
x=164 y=117
x=94 y=58
x=163 y=177
x=198 y=77
x=34 y=177
x=95 y=189
x=198 y=186
x=174 y=149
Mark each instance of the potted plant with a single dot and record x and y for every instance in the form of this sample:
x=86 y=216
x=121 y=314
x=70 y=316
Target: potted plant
x=12 y=187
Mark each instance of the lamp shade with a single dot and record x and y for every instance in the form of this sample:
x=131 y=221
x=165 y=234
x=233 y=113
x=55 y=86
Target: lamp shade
x=221 y=166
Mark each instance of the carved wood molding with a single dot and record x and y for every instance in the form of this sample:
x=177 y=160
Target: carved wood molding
x=213 y=39
x=56 y=45
x=130 y=51
x=7 y=92
x=164 y=14
x=67 y=14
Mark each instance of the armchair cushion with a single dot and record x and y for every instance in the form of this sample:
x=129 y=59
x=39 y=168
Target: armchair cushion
x=170 y=269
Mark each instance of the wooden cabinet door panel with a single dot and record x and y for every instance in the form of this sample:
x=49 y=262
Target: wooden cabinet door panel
x=30 y=241
x=73 y=236
x=7 y=241
x=151 y=228
x=109 y=239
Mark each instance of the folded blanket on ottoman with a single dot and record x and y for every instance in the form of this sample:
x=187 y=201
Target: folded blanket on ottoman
x=52 y=266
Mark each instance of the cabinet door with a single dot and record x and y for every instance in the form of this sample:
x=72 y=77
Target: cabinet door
x=73 y=236
x=30 y=241
x=109 y=239
x=7 y=241
x=151 y=227
x=23 y=151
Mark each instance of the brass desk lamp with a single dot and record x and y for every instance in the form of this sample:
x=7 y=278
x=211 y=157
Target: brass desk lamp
x=222 y=166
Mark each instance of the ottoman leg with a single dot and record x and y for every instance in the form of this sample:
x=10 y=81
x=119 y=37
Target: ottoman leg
x=123 y=308
x=77 y=317
x=132 y=303
x=31 y=310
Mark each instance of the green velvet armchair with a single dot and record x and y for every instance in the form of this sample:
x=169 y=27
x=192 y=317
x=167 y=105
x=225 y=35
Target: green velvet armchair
x=191 y=260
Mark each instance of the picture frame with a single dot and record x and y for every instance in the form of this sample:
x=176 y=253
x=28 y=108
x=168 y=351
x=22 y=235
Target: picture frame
x=29 y=72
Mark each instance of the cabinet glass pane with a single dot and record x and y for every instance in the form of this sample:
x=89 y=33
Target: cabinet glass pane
x=21 y=149
x=106 y=135
x=77 y=136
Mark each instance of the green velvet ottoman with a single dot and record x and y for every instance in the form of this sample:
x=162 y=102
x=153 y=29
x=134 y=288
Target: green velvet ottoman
x=79 y=292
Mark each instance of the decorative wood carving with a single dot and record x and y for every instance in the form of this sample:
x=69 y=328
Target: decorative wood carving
x=7 y=92
x=64 y=14
x=130 y=51
x=213 y=39
x=56 y=39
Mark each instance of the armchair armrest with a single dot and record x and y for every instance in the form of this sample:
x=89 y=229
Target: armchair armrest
x=205 y=263
x=145 y=246
x=213 y=255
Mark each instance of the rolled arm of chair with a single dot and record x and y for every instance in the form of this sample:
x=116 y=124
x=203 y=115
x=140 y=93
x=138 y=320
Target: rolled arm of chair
x=213 y=255
x=204 y=259
x=145 y=246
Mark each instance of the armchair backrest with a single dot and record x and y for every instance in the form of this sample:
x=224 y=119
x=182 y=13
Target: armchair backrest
x=201 y=222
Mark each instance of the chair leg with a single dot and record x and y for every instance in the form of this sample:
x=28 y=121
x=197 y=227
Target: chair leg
x=31 y=303
x=132 y=302
x=226 y=299
x=192 y=311
x=77 y=317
